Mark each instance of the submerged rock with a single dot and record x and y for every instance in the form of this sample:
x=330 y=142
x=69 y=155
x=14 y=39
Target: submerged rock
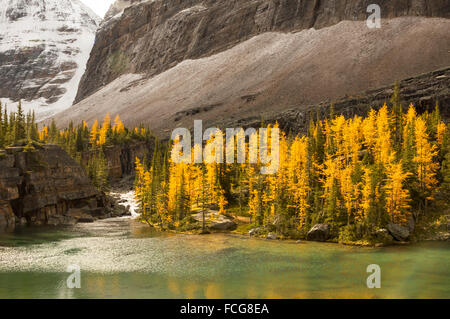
x=61 y=221
x=319 y=232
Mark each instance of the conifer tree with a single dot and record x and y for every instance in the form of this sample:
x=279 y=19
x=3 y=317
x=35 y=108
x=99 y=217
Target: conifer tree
x=19 y=124
x=2 y=127
x=397 y=118
x=425 y=161
x=94 y=133
x=445 y=170
x=53 y=132
x=397 y=196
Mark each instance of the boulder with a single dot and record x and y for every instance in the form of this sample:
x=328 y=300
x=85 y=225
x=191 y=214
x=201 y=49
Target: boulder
x=382 y=236
x=272 y=236
x=120 y=210
x=80 y=215
x=215 y=221
x=226 y=225
x=399 y=232
x=254 y=231
x=319 y=232
x=411 y=223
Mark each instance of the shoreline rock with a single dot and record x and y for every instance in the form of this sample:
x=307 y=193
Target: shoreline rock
x=319 y=232
x=44 y=186
x=400 y=233
x=215 y=221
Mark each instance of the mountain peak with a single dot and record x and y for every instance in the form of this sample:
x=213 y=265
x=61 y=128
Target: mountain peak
x=43 y=52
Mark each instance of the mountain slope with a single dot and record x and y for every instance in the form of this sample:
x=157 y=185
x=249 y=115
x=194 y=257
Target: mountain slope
x=273 y=72
x=153 y=36
x=44 y=47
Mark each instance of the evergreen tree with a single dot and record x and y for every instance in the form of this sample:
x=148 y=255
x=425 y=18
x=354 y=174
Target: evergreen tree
x=53 y=132
x=397 y=118
x=19 y=125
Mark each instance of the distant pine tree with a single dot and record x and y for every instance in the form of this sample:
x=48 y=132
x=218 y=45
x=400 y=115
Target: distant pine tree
x=397 y=118
x=20 y=132
x=53 y=132
x=2 y=127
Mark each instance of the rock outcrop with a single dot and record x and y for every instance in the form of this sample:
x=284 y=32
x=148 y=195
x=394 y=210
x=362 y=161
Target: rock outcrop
x=423 y=91
x=44 y=186
x=44 y=47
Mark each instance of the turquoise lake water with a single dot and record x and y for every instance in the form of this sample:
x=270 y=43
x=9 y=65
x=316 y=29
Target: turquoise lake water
x=120 y=258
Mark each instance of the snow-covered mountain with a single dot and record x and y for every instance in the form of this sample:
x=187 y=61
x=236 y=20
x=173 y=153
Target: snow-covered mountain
x=44 y=48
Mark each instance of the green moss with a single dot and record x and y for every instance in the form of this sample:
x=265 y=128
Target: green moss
x=244 y=228
x=29 y=148
x=118 y=62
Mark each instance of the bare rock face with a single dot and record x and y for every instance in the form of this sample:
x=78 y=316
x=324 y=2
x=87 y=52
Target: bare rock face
x=7 y=217
x=154 y=36
x=422 y=91
x=42 y=185
x=44 y=47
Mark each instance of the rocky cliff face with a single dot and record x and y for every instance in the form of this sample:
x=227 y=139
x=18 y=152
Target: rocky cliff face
x=44 y=47
x=121 y=159
x=42 y=186
x=423 y=91
x=154 y=36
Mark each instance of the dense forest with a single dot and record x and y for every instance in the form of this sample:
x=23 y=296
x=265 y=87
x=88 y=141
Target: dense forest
x=18 y=129
x=356 y=174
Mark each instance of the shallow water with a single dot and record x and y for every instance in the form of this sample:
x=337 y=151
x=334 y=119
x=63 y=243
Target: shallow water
x=120 y=258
